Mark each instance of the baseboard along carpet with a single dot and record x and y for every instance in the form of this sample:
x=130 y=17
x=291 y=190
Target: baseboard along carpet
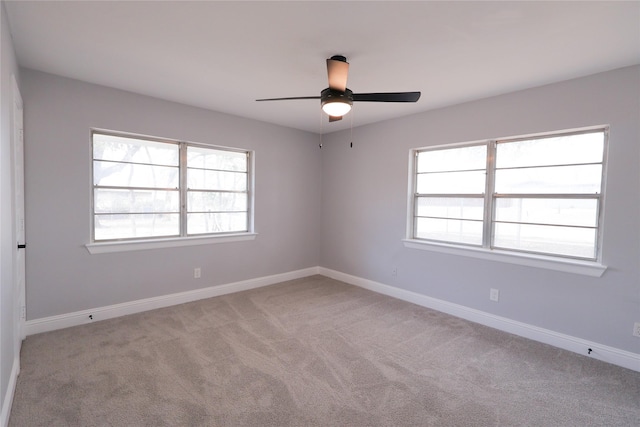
x=311 y=352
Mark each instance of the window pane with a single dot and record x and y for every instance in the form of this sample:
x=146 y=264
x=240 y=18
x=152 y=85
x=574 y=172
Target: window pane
x=584 y=179
x=200 y=223
x=127 y=226
x=133 y=175
x=578 y=212
x=548 y=239
x=560 y=150
x=451 y=183
x=138 y=201
x=200 y=179
x=205 y=201
x=449 y=230
x=207 y=158
x=131 y=150
x=450 y=207
x=453 y=159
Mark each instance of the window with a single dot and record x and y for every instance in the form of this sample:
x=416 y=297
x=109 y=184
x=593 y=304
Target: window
x=146 y=188
x=540 y=194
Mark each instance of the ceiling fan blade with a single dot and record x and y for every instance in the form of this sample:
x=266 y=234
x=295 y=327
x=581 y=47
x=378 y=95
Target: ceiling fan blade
x=387 y=97
x=338 y=70
x=334 y=118
x=288 y=99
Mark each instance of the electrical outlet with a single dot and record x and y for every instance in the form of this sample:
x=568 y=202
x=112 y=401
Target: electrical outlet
x=636 y=329
x=197 y=273
x=494 y=294
x=394 y=272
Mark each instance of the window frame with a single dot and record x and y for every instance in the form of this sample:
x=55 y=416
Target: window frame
x=182 y=238
x=487 y=250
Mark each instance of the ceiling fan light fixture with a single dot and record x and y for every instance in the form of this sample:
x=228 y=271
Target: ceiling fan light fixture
x=336 y=108
x=336 y=103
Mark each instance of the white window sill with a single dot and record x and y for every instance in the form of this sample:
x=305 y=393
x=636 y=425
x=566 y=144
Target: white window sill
x=138 y=245
x=587 y=268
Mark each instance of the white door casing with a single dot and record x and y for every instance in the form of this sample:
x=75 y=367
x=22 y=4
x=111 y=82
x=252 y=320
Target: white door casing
x=19 y=215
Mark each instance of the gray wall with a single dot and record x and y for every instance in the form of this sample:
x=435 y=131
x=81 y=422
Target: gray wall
x=341 y=208
x=62 y=277
x=8 y=313
x=365 y=201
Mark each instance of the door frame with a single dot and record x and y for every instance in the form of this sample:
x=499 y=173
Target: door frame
x=19 y=260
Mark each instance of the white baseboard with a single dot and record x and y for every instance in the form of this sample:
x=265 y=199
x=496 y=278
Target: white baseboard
x=602 y=352
x=52 y=323
x=11 y=389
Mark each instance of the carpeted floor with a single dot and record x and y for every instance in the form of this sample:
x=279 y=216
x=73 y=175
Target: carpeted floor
x=311 y=352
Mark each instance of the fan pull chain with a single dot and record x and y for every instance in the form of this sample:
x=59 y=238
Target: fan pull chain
x=351 y=137
x=320 y=145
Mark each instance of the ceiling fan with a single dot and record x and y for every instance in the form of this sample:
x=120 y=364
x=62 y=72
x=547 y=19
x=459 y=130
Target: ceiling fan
x=337 y=99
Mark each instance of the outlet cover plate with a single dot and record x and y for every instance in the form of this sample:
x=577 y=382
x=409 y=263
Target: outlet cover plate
x=636 y=329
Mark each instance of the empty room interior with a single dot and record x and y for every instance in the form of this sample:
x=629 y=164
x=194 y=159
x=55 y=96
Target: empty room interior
x=320 y=213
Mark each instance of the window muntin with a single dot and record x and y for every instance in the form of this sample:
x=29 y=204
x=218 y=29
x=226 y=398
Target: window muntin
x=541 y=194
x=145 y=188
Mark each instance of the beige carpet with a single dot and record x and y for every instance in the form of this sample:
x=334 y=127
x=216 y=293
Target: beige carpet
x=311 y=352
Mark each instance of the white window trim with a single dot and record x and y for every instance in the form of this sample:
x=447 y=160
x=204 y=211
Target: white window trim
x=173 y=242
x=567 y=265
x=549 y=262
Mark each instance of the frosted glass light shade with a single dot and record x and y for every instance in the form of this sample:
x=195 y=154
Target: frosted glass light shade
x=336 y=108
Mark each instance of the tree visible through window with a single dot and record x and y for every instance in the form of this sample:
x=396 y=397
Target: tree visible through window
x=146 y=188
x=540 y=194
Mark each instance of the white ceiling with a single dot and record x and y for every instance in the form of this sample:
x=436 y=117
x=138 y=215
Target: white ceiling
x=224 y=55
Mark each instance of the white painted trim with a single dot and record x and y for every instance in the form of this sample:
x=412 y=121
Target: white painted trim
x=567 y=265
x=602 y=352
x=138 y=245
x=11 y=389
x=52 y=323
